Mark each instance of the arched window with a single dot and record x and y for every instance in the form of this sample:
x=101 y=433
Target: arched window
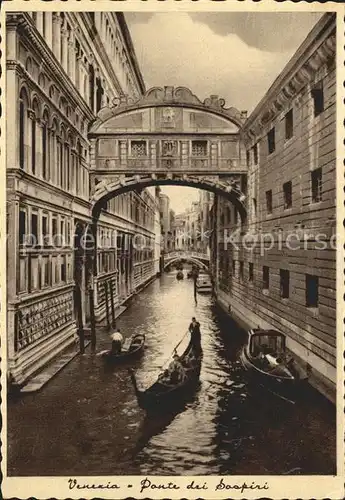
x=53 y=148
x=34 y=126
x=23 y=127
x=99 y=94
x=91 y=87
x=78 y=173
x=45 y=159
x=62 y=162
x=69 y=169
x=52 y=92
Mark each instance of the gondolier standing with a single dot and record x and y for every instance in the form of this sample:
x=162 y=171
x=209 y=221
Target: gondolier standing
x=194 y=329
x=117 y=341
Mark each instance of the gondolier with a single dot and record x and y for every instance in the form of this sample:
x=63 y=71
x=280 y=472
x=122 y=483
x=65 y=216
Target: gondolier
x=117 y=340
x=194 y=329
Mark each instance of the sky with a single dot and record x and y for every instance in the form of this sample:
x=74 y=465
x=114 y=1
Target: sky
x=234 y=55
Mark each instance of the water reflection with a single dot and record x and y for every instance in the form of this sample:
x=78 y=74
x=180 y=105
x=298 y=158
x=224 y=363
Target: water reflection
x=87 y=421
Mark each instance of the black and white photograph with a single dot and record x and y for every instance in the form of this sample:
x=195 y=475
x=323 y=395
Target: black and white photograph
x=172 y=273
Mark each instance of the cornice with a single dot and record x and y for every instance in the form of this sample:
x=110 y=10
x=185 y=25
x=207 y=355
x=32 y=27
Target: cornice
x=296 y=75
x=25 y=26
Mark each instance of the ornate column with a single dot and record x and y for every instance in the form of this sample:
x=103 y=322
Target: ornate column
x=64 y=41
x=184 y=154
x=71 y=58
x=49 y=29
x=56 y=35
x=214 y=155
x=28 y=160
x=39 y=134
x=40 y=22
x=12 y=270
x=123 y=154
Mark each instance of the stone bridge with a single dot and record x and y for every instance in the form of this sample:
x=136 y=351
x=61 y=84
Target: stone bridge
x=202 y=260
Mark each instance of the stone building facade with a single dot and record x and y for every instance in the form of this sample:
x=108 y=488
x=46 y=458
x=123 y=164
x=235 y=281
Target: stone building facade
x=287 y=280
x=62 y=68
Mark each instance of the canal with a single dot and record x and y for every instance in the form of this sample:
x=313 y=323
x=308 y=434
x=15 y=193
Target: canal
x=86 y=420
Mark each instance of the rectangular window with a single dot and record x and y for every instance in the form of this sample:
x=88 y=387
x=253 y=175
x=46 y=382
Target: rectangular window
x=34 y=229
x=271 y=141
x=63 y=268
x=46 y=271
x=199 y=148
x=289 y=125
x=284 y=284
x=138 y=149
x=68 y=234
x=241 y=270
x=62 y=232
x=265 y=278
x=316 y=185
x=23 y=274
x=318 y=98
x=34 y=275
x=251 y=271
x=45 y=240
x=287 y=189
x=255 y=154
x=22 y=227
x=311 y=290
x=269 y=201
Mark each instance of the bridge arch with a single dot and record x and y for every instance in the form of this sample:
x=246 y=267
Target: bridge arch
x=187 y=259
x=107 y=189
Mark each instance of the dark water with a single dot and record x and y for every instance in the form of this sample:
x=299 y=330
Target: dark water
x=86 y=421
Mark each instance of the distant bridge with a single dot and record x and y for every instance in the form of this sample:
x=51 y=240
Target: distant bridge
x=200 y=259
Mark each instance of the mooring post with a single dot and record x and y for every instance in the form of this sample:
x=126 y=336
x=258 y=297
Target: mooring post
x=106 y=295
x=92 y=318
x=80 y=321
x=113 y=322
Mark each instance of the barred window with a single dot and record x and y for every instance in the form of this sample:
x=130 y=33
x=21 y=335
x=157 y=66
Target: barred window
x=199 y=148
x=138 y=149
x=284 y=283
x=311 y=290
x=289 y=124
x=269 y=201
x=287 y=189
x=318 y=98
x=271 y=141
x=265 y=278
x=316 y=185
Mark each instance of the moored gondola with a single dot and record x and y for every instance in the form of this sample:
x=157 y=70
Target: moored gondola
x=166 y=392
x=133 y=347
x=179 y=275
x=270 y=365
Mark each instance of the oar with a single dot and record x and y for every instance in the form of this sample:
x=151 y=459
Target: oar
x=165 y=362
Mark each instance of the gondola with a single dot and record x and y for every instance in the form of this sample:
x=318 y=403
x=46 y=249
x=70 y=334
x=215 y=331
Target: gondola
x=179 y=275
x=268 y=363
x=132 y=347
x=164 y=394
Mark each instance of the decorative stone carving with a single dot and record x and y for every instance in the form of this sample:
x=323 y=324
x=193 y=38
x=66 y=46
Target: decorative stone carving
x=43 y=318
x=169 y=148
x=168 y=117
x=169 y=96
